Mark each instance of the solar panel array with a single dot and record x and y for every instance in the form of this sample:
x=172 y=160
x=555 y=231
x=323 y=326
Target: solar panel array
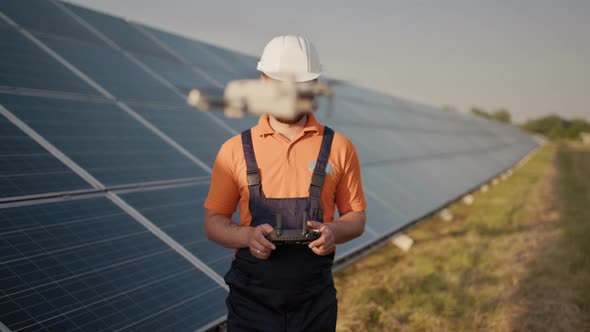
x=104 y=169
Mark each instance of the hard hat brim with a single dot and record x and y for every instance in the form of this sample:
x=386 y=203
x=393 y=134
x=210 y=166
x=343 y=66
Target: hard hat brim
x=292 y=77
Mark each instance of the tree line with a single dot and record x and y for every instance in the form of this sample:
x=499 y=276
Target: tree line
x=552 y=126
x=555 y=127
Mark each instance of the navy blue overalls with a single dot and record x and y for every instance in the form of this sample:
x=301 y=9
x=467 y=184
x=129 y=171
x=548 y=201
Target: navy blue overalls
x=293 y=289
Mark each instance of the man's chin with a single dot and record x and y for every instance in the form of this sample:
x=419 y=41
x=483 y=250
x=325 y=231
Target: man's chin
x=291 y=121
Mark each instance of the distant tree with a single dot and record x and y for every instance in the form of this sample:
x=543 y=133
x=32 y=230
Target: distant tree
x=551 y=126
x=479 y=112
x=502 y=115
x=576 y=127
x=554 y=127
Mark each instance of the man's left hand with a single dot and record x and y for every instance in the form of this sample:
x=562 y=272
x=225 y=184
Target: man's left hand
x=325 y=244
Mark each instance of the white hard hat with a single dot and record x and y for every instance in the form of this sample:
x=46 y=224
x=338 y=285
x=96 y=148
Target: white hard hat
x=289 y=58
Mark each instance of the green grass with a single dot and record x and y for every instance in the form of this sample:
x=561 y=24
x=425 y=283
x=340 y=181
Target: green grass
x=574 y=193
x=517 y=259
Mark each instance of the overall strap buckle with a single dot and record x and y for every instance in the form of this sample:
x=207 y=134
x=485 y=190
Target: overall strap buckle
x=253 y=177
x=318 y=177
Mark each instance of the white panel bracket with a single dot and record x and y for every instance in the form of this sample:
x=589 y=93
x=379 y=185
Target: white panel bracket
x=402 y=241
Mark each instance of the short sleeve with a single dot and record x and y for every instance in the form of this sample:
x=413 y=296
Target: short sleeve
x=349 y=191
x=224 y=193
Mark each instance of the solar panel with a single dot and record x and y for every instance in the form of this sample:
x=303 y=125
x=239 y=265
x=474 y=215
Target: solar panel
x=400 y=147
x=87 y=265
x=121 y=32
x=386 y=110
x=150 y=53
x=112 y=70
x=195 y=131
x=102 y=139
x=179 y=212
x=44 y=17
x=24 y=65
x=385 y=216
x=202 y=56
x=28 y=169
x=390 y=182
x=242 y=64
x=181 y=76
x=347 y=113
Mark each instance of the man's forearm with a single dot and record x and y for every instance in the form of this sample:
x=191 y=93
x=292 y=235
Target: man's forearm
x=221 y=229
x=349 y=226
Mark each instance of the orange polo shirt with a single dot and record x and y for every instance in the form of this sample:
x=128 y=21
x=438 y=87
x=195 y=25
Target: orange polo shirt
x=285 y=171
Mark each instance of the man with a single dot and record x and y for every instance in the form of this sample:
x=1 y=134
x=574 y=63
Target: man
x=300 y=170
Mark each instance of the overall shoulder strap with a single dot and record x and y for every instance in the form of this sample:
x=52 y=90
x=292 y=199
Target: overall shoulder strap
x=319 y=173
x=252 y=172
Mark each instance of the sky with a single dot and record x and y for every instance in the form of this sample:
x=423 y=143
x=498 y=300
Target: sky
x=531 y=57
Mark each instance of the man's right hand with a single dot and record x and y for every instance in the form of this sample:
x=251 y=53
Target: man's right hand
x=259 y=246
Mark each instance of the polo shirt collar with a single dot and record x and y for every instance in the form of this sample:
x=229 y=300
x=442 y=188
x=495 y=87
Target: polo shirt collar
x=265 y=129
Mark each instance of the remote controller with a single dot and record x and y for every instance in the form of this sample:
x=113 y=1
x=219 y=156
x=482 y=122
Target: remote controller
x=292 y=236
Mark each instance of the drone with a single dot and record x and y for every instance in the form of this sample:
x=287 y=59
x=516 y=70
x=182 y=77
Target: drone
x=279 y=98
